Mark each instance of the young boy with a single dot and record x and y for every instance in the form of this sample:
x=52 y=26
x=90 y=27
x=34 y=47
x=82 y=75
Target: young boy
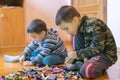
x=47 y=48
x=93 y=43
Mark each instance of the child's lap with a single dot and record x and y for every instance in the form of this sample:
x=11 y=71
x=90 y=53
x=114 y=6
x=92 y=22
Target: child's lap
x=95 y=66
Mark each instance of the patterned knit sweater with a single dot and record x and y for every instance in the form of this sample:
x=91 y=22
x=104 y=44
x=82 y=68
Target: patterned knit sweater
x=52 y=44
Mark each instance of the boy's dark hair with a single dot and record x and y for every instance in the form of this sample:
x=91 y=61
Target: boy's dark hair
x=37 y=26
x=66 y=13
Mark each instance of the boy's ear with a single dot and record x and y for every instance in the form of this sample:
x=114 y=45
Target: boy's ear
x=76 y=19
x=43 y=32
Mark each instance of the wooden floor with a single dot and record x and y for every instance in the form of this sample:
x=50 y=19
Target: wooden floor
x=113 y=73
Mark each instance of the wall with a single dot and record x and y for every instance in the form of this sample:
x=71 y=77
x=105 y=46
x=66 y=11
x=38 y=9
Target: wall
x=113 y=19
x=45 y=10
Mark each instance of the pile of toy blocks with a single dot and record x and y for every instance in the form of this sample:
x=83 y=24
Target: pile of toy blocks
x=43 y=73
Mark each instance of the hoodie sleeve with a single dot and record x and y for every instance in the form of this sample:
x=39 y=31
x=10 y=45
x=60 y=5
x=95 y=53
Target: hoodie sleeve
x=45 y=50
x=31 y=47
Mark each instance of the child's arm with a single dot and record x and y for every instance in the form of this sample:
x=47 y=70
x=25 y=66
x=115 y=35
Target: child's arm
x=30 y=47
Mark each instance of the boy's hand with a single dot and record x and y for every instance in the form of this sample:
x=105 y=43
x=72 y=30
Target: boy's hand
x=85 y=59
x=22 y=59
x=71 y=57
x=27 y=63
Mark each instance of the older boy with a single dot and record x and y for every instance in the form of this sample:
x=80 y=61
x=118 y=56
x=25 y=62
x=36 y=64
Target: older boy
x=93 y=43
x=47 y=48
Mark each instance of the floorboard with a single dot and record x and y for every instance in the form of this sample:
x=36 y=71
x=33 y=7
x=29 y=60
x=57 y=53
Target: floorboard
x=113 y=73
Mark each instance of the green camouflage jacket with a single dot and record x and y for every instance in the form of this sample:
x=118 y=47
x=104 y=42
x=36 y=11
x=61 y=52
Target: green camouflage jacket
x=98 y=39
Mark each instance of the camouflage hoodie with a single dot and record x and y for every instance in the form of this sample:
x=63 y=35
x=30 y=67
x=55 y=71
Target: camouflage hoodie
x=98 y=39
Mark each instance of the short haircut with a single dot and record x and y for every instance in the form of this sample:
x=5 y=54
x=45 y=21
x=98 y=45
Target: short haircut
x=66 y=13
x=37 y=26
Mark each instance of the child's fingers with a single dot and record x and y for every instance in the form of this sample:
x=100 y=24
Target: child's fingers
x=27 y=63
x=85 y=59
x=24 y=63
